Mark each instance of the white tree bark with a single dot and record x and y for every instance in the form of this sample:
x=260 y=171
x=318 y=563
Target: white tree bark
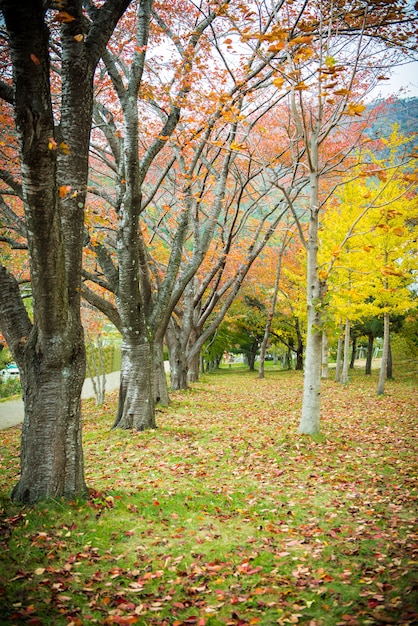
x=310 y=420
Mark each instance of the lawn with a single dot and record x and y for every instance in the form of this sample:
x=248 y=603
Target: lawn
x=225 y=515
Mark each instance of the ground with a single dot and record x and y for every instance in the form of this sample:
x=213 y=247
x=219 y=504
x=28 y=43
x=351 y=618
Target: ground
x=224 y=515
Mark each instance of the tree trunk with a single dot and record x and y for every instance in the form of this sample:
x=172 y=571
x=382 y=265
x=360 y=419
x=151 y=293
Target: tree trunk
x=177 y=358
x=385 y=355
x=369 y=357
x=96 y=368
x=325 y=351
x=353 y=353
x=338 y=361
x=269 y=322
x=160 y=379
x=310 y=420
x=194 y=362
x=136 y=409
x=51 y=450
x=390 y=362
x=299 y=349
x=346 y=361
x=252 y=356
x=52 y=353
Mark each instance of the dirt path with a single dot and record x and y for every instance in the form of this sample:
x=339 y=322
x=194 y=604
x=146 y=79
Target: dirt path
x=11 y=411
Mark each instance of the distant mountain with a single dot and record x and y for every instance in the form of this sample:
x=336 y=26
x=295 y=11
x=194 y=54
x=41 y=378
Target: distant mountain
x=403 y=112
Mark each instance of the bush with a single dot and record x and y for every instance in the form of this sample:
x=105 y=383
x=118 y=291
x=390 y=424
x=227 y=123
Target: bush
x=10 y=388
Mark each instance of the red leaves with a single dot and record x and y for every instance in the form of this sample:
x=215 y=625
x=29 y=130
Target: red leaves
x=248 y=569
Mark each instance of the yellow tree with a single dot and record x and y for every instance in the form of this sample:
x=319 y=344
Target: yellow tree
x=367 y=241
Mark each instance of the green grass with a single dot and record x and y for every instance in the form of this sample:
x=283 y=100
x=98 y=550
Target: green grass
x=224 y=515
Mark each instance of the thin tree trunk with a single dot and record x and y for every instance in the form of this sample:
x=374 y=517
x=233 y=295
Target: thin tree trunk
x=177 y=357
x=160 y=379
x=325 y=353
x=299 y=348
x=96 y=370
x=390 y=362
x=193 y=363
x=310 y=420
x=353 y=353
x=385 y=355
x=270 y=317
x=369 y=357
x=346 y=361
x=339 y=360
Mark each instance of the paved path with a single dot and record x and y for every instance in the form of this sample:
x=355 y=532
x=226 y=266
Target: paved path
x=11 y=411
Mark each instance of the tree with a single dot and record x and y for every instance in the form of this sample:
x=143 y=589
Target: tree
x=53 y=151
x=326 y=90
x=368 y=239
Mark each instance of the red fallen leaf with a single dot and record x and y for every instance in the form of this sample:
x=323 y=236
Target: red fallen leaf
x=349 y=618
x=35 y=59
x=383 y=617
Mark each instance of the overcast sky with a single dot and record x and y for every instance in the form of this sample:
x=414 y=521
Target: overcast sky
x=405 y=78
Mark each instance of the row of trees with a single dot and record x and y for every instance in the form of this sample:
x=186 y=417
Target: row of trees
x=151 y=152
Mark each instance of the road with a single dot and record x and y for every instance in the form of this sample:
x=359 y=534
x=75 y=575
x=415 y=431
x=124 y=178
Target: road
x=11 y=411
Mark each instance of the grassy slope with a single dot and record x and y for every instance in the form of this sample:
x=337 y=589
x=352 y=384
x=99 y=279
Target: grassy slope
x=224 y=515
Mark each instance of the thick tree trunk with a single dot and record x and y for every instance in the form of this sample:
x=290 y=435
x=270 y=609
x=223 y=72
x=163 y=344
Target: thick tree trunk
x=52 y=355
x=346 y=361
x=51 y=449
x=136 y=409
x=385 y=355
x=369 y=357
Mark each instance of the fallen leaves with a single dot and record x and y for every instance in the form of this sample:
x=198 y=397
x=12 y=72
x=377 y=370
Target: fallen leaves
x=225 y=515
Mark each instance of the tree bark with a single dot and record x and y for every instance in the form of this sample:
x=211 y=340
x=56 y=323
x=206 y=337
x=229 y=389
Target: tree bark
x=299 y=349
x=177 y=357
x=385 y=355
x=270 y=317
x=325 y=351
x=346 y=360
x=310 y=420
x=136 y=392
x=390 y=362
x=338 y=360
x=353 y=352
x=160 y=379
x=369 y=357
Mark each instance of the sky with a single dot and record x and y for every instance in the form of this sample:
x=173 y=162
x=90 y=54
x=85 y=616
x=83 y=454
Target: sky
x=405 y=78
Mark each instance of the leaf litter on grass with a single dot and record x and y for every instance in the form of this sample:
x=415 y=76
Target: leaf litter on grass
x=224 y=515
